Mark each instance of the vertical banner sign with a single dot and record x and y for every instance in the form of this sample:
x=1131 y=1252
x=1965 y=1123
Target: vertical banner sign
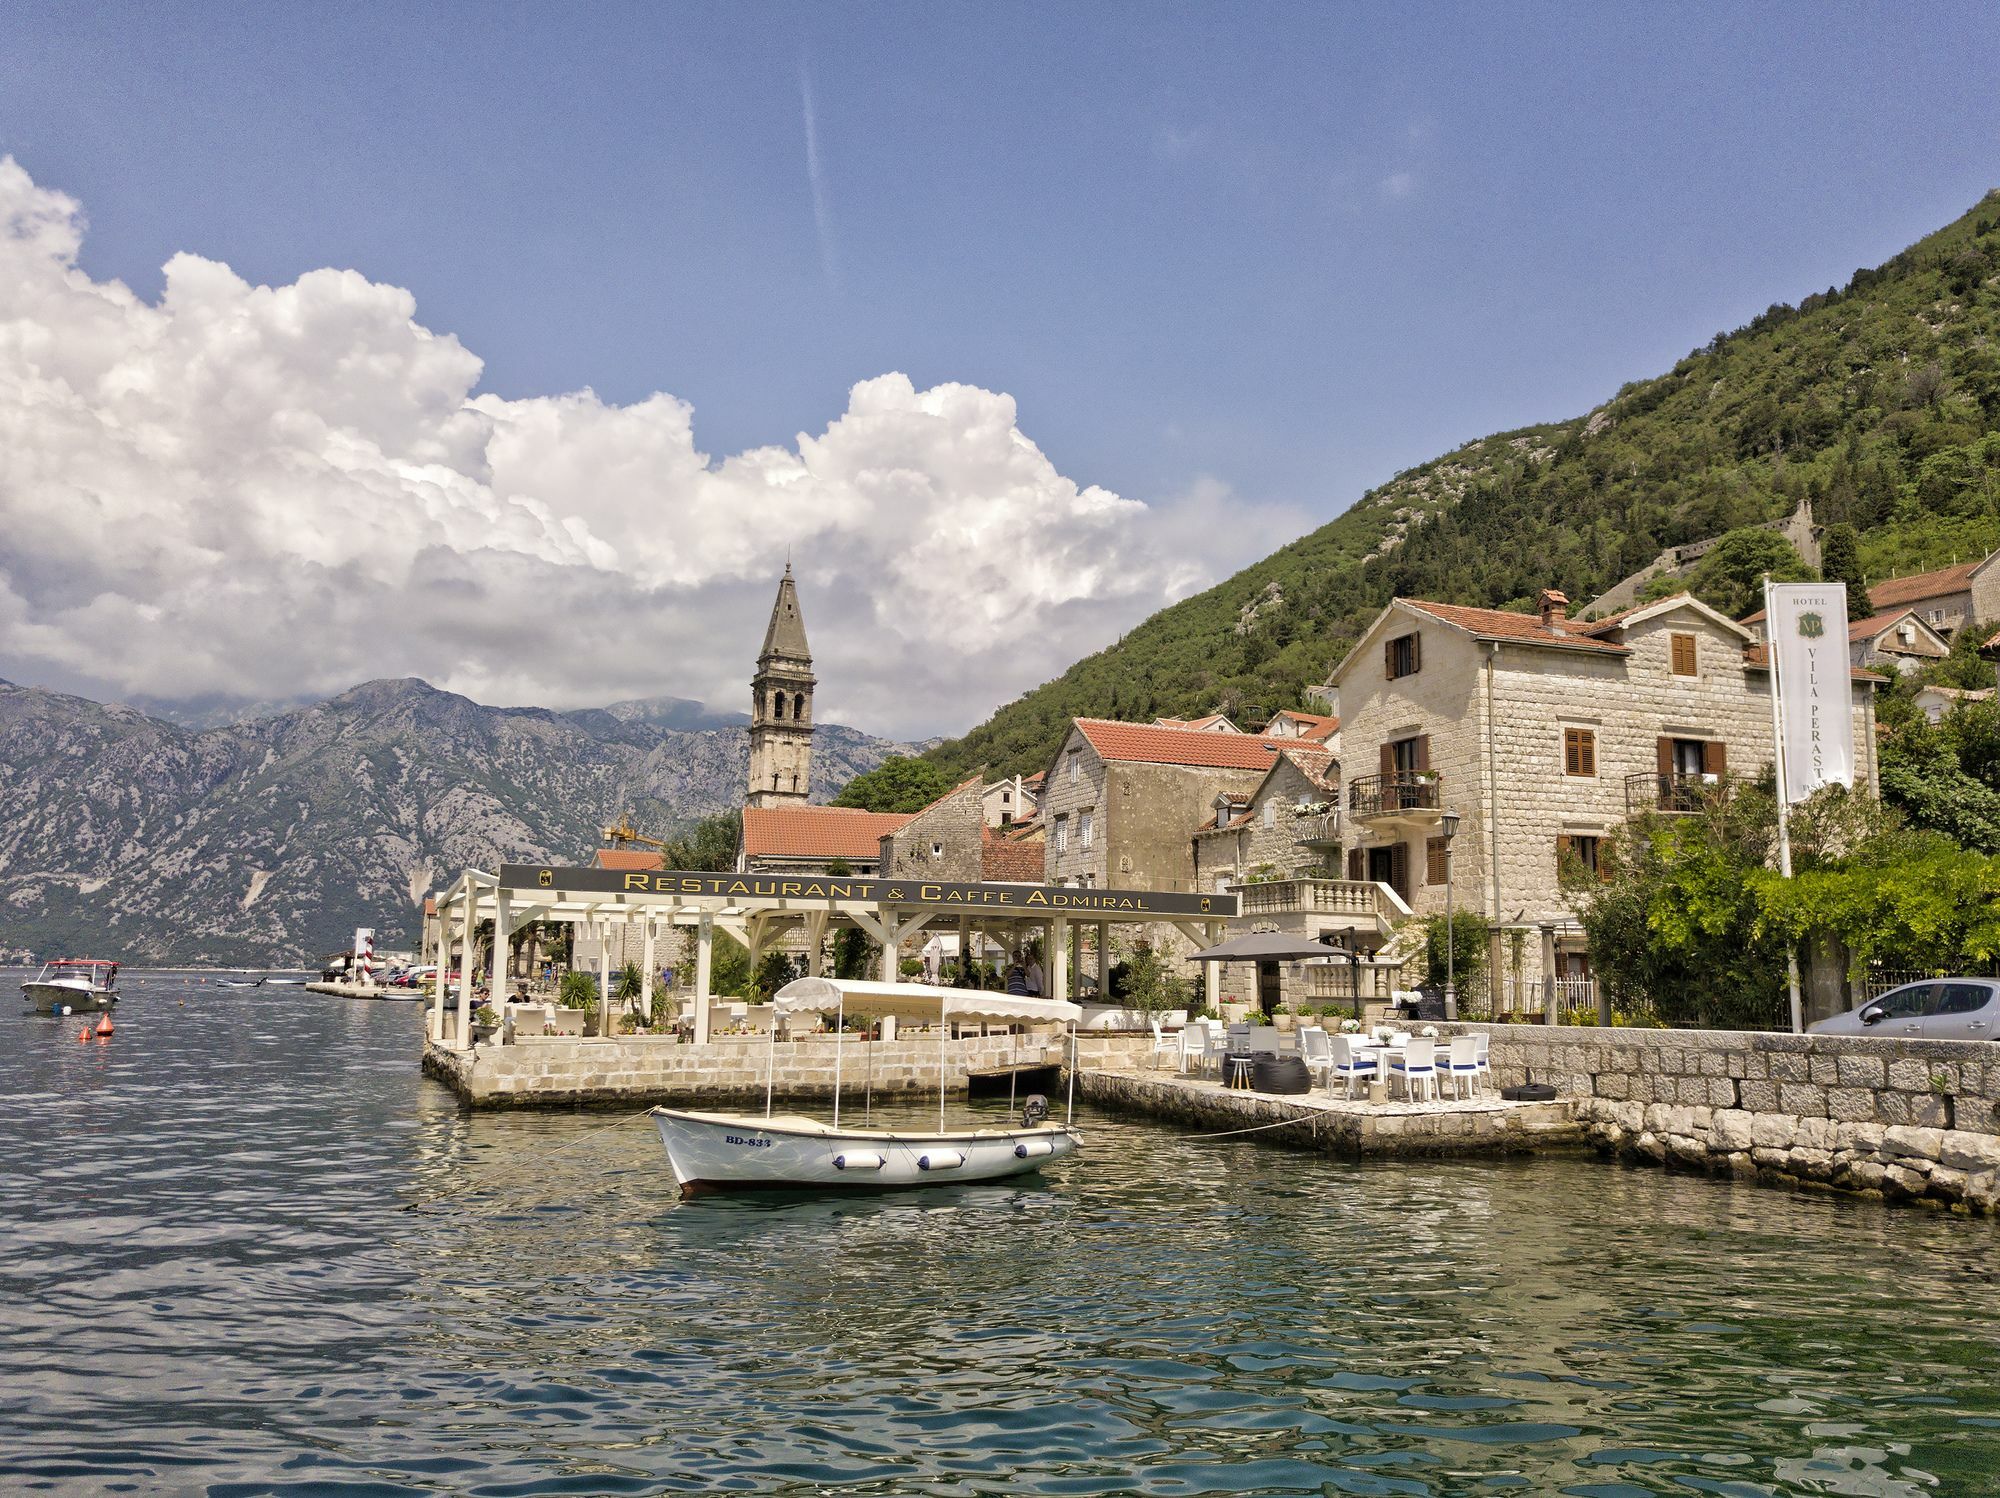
x=1807 y=629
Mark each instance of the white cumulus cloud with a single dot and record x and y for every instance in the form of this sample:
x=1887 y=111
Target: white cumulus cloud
x=264 y=492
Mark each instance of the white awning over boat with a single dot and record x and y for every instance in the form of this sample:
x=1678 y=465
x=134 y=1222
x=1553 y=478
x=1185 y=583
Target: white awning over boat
x=920 y=1001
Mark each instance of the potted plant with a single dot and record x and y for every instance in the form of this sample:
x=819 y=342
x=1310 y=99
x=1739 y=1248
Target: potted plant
x=485 y=1024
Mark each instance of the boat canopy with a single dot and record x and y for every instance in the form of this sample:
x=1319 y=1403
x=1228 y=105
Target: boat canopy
x=865 y=1000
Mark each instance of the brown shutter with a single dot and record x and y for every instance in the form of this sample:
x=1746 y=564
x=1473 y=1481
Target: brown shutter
x=1423 y=751
x=1587 y=751
x=1664 y=761
x=1399 y=869
x=1564 y=848
x=1714 y=757
x=1603 y=860
x=1389 y=658
x=1357 y=864
x=1416 y=654
x=1388 y=758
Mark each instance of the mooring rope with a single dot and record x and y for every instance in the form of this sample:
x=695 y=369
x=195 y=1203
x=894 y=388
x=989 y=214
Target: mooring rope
x=1313 y=1118
x=586 y=1137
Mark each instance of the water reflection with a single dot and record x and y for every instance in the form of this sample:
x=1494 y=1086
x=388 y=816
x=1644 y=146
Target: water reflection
x=212 y=1282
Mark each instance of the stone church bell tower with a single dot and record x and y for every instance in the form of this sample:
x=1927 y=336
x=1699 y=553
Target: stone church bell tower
x=781 y=707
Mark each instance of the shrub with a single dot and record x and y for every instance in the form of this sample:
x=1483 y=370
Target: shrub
x=578 y=990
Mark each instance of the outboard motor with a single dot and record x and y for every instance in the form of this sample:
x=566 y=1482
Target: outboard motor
x=1035 y=1111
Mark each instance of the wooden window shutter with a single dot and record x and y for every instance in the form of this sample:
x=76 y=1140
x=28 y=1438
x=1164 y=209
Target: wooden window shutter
x=1357 y=864
x=1434 y=869
x=1388 y=758
x=1603 y=861
x=1416 y=654
x=1586 y=740
x=1423 y=751
x=1399 y=869
x=1664 y=760
x=1389 y=658
x=1714 y=757
x=1565 y=847
x=1683 y=655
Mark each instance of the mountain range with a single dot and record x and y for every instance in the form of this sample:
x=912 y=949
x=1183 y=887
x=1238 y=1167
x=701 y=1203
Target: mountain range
x=1878 y=401
x=270 y=840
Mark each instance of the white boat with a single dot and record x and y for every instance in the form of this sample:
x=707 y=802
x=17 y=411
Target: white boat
x=746 y=1151
x=72 y=985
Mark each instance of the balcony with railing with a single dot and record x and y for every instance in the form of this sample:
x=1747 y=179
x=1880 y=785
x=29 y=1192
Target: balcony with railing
x=1317 y=829
x=1307 y=896
x=1399 y=795
x=1675 y=793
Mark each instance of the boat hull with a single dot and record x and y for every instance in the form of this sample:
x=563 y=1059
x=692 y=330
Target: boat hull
x=54 y=998
x=744 y=1152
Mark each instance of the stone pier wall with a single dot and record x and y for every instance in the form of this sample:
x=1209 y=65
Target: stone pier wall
x=537 y=1072
x=1914 y=1120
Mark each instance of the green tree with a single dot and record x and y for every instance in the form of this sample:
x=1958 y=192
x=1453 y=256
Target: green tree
x=1470 y=943
x=1840 y=562
x=1730 y=576
x=708 y=846
x=1923 y=776
x=1149 y=984
x=897 y=784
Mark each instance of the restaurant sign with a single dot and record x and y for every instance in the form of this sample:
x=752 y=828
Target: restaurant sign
x=1017 y=899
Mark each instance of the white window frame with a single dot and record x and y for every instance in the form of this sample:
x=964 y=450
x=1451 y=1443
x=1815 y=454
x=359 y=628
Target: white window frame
x=1075 y=766
x=1062 y=834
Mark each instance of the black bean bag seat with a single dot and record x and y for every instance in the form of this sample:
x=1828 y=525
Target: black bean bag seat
x=1283 y=1075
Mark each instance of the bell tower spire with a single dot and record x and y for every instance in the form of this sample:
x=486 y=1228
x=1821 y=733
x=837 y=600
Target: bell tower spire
x=781 y=707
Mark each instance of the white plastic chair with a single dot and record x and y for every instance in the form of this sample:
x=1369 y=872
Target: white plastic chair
x=1480 y=1051
x=1418 y=1063
x=1316 y=1052
x=1194 y=1049
x=1163 y=1043
x=1351 y=1065
x=1462 y=1064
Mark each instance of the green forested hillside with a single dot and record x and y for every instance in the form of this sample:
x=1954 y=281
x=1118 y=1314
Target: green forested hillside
x=1880 y=400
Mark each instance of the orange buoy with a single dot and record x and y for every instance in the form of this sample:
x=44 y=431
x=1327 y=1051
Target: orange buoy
x=84 y=1033
x=104 y=1025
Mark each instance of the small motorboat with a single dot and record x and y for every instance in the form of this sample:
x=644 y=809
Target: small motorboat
x=746 y=1151
x=239 y=982
x=72 y=985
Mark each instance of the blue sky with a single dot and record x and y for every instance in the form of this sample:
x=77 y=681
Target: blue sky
x=1275 y=253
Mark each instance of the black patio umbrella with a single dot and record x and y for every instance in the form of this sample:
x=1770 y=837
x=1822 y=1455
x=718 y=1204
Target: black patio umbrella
x=1264 y=946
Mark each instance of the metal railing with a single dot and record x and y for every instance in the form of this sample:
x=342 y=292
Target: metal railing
x=1524 y=996
x=1314 y=896
x=1653 y=792
x=1398 y=791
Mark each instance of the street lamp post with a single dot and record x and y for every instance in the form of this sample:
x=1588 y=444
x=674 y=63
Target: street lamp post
x=1448 y=829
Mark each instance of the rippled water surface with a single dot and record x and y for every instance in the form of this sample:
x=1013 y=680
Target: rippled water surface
x=211 y=1285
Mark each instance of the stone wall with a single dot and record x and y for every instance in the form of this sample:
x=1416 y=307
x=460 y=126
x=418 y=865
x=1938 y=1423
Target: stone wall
x=940 y=842
x=1912 y=1119
x=557 y=1072
x=1067 y=799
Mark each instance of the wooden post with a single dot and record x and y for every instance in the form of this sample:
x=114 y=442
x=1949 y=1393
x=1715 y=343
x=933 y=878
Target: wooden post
x=503 y=954
x=1104 y=962
x=892 y=948
x=1548 y=974
x=1058 y=968
x=652 y=958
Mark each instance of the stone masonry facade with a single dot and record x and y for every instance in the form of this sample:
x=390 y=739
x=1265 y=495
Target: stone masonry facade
x=940 y=842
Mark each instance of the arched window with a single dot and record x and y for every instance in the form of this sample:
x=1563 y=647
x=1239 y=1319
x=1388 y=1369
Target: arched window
x=798 y=707
x=778 y=705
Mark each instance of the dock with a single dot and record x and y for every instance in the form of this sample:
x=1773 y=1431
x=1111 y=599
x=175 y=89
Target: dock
x=1482 y=1124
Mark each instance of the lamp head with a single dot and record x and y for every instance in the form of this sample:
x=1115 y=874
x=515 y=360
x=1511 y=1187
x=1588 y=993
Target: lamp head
x=1448 y=825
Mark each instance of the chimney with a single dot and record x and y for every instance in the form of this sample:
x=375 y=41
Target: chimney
x=1555 y=609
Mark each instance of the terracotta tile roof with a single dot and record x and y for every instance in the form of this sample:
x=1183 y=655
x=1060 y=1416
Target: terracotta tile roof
x=1035 y=779
x=626 y=858
x=817 y=831
x=1178 y=746
x=1528 y=629
x=1323 y=732
x=1315 y=760
x=1010 y=860
x=1946 y=580
x=1022 y=832
x=1867 y=629
x=1991 y=645
x=1758 y=658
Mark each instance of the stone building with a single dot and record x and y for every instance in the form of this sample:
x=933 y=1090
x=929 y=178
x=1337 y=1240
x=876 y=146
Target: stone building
x=943 y=841
x=806 y=839
x=1277 y=830
x=1896 y=641
x=1543 y=735
x=1947 y=599
x=1012 y=800
x=1120 y=799
x=1314 y=728
x=781 y=707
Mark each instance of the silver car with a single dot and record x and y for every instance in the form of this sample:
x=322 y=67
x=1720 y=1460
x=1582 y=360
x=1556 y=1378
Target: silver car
x=1937 y=1009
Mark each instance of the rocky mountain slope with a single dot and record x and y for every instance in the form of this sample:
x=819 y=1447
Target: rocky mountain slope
x=271 y=840
x=1878 y=401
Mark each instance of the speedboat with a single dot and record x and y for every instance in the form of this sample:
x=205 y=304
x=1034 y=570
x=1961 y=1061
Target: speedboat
x=71 y=985
x=746 y=1151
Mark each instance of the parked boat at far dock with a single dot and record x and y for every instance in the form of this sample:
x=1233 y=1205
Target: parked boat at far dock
x=72 y=985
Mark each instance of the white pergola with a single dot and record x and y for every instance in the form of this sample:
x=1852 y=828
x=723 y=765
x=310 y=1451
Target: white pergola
x=760 y=909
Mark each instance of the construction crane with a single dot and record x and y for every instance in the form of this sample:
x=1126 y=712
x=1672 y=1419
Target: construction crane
x=622 y=832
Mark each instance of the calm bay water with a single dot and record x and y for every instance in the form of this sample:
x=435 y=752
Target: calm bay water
x=211 y=1286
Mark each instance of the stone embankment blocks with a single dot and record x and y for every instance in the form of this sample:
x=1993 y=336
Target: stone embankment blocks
x=1910 y=1120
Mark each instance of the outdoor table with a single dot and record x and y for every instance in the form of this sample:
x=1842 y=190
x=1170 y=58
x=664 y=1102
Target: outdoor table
x=1378 y=1089
x=1240 y=1066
